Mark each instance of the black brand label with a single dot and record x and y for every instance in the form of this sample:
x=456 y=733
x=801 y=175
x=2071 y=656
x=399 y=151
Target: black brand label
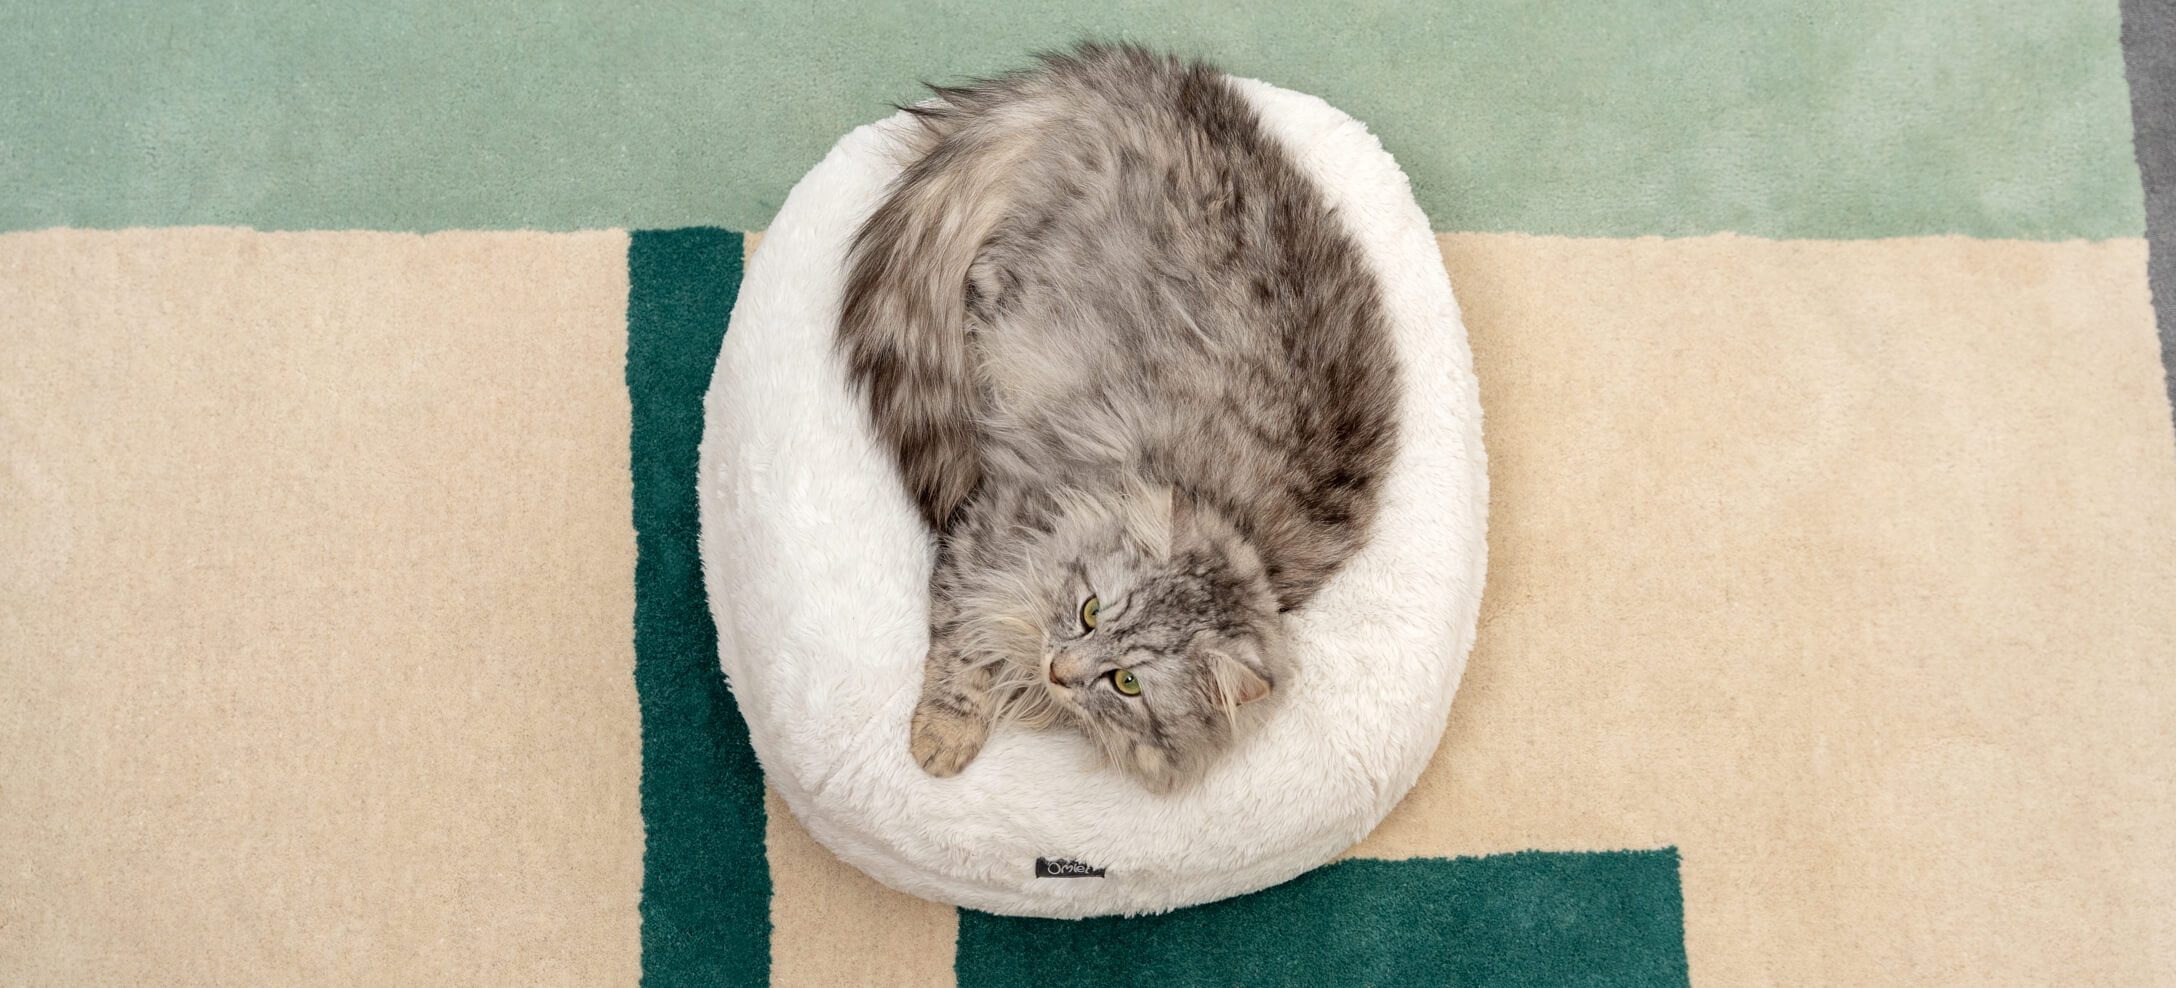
x=1061 y=868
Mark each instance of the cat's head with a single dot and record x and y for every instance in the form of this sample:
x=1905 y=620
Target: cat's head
x=1160 y=624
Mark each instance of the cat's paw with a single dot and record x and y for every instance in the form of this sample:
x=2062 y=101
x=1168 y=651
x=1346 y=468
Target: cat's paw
x=943 y=741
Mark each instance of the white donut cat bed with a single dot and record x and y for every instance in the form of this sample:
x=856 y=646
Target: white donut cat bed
x=817 y=570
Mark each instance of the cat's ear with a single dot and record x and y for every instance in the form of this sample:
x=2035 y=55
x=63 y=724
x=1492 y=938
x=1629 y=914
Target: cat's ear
x=1148 y=520
x=1185 y=518
x=1234 y=680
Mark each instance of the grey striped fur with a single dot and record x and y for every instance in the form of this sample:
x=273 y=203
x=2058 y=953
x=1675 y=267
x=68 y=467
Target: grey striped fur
x=1118 y=346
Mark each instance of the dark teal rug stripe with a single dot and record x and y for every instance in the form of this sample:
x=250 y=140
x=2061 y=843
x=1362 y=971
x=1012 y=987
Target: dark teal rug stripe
x=706 y=890
x=1531 y=918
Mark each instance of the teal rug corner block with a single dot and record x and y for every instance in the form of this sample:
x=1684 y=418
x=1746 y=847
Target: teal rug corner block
x=1529 y=918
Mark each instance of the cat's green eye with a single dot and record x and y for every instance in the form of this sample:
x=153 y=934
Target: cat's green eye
x=1125 y=681
x=1088 y=609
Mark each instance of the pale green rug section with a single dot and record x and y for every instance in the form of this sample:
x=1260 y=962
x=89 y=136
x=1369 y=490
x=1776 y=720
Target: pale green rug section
x=1838 y=119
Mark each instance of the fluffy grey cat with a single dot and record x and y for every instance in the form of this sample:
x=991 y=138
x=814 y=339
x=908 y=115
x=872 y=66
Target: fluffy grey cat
x=1136 y=377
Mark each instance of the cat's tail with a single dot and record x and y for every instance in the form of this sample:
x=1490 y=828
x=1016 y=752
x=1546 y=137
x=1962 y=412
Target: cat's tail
x=903 y=325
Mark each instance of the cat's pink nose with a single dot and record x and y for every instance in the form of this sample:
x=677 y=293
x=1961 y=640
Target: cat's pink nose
x=1059 y=670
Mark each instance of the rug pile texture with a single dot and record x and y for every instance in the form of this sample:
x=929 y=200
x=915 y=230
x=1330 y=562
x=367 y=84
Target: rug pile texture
x=351 y=366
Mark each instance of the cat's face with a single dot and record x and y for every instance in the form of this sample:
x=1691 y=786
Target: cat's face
x=1155 y=638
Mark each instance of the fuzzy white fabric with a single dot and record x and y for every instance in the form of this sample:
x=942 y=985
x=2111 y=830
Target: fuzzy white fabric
x=817 y=567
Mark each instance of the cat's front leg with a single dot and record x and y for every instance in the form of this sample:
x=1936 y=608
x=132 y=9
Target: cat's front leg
x=953 y=718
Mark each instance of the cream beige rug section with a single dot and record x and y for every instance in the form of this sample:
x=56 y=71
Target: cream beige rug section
x=315 y=589
x=1843 y=568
